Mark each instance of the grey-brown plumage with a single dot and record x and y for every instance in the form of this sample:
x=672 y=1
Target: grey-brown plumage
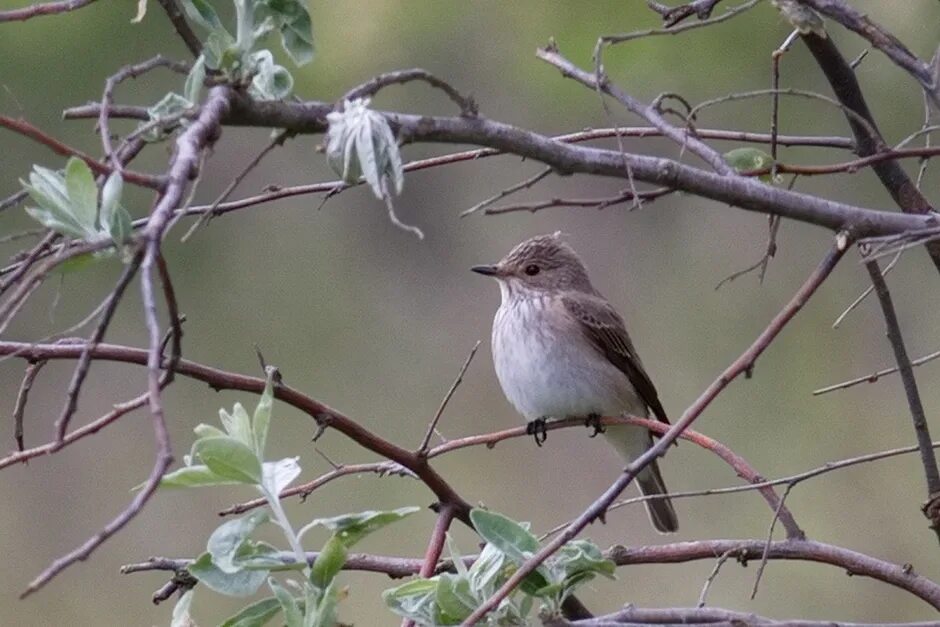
x=560 y=350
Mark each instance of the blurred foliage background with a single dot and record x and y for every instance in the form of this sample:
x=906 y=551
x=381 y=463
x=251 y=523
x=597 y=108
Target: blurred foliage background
x=364 y=317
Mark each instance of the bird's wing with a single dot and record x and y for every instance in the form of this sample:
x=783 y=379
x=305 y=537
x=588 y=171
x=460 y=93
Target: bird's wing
x=604 y=328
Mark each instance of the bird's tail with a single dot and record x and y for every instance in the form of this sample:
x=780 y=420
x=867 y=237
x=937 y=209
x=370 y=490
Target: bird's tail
x=631 y=442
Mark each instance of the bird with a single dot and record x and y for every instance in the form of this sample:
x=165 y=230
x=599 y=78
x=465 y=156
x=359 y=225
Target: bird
x=561 y=350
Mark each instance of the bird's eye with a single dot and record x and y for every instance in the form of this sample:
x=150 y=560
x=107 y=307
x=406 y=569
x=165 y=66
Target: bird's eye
x=532 y=269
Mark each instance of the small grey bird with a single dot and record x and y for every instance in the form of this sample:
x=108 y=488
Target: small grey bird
x=561 y=350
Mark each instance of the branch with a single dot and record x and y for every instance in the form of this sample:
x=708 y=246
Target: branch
x=743 y=364
x=743 y=550
x=922 y=432
x=26 y=129
x=647 y=617
x=871 y=378
x=881 y=39
x=47 y=8
x=682 y=137
x=173 y=12
x=468 y=108
x=868 y=138
x=222 y=380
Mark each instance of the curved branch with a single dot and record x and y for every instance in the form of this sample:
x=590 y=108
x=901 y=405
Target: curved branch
x=222 y=380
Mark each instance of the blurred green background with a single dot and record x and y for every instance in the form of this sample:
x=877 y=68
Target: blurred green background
x=364 y=317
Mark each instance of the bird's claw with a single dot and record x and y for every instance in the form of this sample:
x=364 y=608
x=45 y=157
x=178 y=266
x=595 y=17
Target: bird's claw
x=536 y=428
x=594 y=420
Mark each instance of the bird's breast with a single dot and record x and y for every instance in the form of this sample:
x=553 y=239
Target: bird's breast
x=548 y=368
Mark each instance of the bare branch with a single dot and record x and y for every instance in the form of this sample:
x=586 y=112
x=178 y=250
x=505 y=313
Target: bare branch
x=881 y=39
x=173 y=12
x=871 y=378
x=648 y=617
x=432 y=427
x=46 y=8
x=683 y=137
x=921 y=430
x=28 y=130
x=468 y=108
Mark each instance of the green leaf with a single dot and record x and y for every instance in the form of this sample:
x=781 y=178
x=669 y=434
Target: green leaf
x=278 y=475
x=228 y=537
x=293 y=617
x=323 y=612
x=270 y=81
x=229 y=458
x=580 y=556
x=329 y=562
x=194 y=80
x=261 y=421
x=201 y=12
x=238 y=424
x=257 y=614
x=181 y=617
x=750 y=159
x=48 y=189
x=293 y=20
x=415 y=599
x=110 y=199
x=83 y=193
x=514 y=540
x=453 y=598
x=351 y=528
x=197 y=476
x=241 y=584
x=202 y=430
x=121 y=226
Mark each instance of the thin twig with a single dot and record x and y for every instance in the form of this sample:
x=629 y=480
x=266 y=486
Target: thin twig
x=46 y=8
x=432 y=427
x=526 y=184
x=468 y=108
x=382 y=469
x=871 y=378
x=921 y=430
x=861 y=297
x=711 y=578
x=189 y=38
x=107 y=97
x=32 y=371
x=594 y=203
x=770 y=538
x=207 y=215
x=84 y=361
x=26 y=129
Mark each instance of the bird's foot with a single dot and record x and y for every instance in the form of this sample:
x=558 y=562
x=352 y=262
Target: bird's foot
x=594 y=420
x=536 y=428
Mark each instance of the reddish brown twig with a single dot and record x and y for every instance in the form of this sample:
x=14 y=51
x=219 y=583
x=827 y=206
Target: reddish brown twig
x=26 y=129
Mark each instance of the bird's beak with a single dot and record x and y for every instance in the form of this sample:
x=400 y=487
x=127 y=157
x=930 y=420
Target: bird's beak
x=487 y=270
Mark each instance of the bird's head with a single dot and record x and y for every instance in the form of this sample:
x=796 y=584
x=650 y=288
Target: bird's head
x=543 y=263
